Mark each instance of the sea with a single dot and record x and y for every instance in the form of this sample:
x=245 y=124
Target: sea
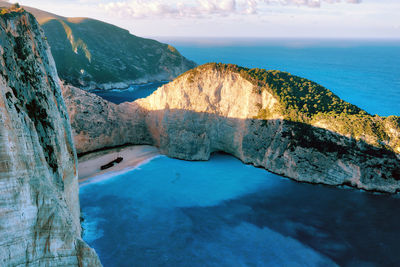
x=363 y=72
x=133 y=92
x=169 y=212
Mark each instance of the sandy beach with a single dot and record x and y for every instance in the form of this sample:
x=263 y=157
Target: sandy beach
x=89 y=165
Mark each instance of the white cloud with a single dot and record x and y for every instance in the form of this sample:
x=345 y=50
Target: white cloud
x=201 y=8
x=309 y=3
x=239 y=18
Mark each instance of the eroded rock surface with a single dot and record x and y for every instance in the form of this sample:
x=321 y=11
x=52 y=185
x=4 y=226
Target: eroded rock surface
x=39 y=204
x=98 y=124
x=213 y=108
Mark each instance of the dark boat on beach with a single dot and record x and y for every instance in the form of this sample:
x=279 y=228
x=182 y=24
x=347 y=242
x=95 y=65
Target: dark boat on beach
x=111 y=164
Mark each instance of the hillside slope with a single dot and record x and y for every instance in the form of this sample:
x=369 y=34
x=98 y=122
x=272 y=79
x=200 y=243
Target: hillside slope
x=94 y=54
x=261 y=117
x=39 y=203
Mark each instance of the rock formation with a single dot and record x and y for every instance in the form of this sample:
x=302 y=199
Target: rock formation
x=39 y=204
x=94 y=54
x=97 y=124
x=251 y=115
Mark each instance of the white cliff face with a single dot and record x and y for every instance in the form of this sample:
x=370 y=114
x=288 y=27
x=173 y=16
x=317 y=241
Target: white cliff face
x=227 y=95
x=98 y=124
x=215 y=111
x=208 y=110
x=39 y=204
x=211 y=108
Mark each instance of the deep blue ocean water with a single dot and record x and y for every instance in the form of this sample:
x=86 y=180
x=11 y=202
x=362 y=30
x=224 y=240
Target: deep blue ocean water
x=224 y=213
x=364 y=72
x=130 y=94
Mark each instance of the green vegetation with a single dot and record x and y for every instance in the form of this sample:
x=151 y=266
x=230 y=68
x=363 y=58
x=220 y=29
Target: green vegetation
x=76 y=44
x=296 y=95
x=357 y=126
x=87 y=50
x=304 y=101
x=15 y=8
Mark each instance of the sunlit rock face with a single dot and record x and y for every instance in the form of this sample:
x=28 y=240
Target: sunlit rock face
x=214 y=109
x=39 y=205
x=98 y=124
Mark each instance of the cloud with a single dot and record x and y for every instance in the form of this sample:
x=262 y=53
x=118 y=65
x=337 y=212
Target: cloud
x=309 y=3
x=202 y=8
x=199 y=8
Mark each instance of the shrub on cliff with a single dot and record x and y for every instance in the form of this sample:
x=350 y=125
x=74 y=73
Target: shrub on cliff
x=14 y=8
x=302 y=100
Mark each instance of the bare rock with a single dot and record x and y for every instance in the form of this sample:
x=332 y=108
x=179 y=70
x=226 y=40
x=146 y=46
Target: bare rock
x=221 y=108
x=39 y=204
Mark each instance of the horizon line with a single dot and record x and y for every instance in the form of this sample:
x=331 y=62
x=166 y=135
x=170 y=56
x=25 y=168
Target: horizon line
x=274 y=37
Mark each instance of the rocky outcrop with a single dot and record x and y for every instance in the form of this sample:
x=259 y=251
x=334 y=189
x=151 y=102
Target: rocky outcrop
x=93 y=54
x=224 y=108
x=39 y=204
x=98 y=124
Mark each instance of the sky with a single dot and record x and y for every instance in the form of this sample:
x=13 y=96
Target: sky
x=239 y=18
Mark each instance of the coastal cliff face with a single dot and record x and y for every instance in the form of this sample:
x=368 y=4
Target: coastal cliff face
x=98 y=124
x=223 y=108
x=39 y=204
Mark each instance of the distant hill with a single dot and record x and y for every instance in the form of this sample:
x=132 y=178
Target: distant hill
x=93 y=54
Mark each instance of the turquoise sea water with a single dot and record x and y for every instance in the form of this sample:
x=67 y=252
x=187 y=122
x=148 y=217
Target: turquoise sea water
x=364 y=72
x=224 y=213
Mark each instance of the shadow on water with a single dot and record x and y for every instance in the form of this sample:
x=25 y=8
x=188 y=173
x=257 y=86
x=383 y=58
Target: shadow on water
x=145 y=218
x=353 y=228
x=190 y=135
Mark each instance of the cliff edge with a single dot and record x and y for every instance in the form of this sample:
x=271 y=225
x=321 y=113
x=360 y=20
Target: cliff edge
x=39 y=204
x=271 y=119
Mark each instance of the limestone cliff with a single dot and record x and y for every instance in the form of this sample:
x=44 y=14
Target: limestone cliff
x=98 y=124
x=283 y=123
x=39 y=204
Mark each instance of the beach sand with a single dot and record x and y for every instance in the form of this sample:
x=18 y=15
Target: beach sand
x=89 y=165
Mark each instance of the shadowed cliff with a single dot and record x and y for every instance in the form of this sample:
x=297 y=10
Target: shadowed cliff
x=39 y=218
x=218 y=108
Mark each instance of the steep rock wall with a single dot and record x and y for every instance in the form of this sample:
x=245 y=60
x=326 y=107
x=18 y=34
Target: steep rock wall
x=39 y=204
x=98 y=124
x=206 y=111
x=194 y=116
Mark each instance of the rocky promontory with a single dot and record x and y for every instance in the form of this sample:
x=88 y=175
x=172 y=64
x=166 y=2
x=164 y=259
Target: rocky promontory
x=39 y=204
x=271 y=119
x=93 y=54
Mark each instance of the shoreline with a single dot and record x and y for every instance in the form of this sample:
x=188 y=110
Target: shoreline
x=133 y=156
x=108 y=87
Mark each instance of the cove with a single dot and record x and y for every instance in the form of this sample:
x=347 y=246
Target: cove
x=221 y=212
x=133 y=92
